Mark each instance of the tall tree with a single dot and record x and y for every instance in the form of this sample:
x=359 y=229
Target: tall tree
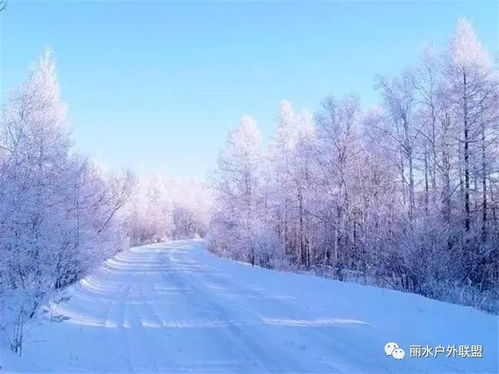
x=58 y=213
x=238 y=187
x=471 y=90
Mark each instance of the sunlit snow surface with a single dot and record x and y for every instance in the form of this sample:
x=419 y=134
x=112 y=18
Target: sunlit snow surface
x=175 y=308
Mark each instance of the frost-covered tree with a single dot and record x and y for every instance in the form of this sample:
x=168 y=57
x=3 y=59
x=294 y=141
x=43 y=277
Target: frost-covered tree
x=292 y=161
x=58 y=213
x=336 y=155
x=399 y=99
x=162 y=208
x=472 y=89
x=192 y=208
x=237 y=222
x=404 y=194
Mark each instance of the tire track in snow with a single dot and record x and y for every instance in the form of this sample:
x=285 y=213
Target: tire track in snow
x=325 y=335
x=234 y=332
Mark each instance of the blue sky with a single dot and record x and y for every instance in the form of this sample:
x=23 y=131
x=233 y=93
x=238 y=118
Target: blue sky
x=155 y=86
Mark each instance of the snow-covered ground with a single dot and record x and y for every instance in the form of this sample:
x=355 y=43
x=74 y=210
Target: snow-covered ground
x=175 y=308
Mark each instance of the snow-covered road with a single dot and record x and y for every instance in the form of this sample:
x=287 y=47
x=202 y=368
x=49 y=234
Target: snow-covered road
x=175 y=308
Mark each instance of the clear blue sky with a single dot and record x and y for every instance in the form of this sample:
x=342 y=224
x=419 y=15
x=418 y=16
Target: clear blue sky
x=157 y=85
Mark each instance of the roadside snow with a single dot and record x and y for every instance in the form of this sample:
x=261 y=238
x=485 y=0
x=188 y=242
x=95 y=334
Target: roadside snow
x=173 y=307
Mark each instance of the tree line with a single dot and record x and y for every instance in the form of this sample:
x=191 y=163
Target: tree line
x=404 y=194
x=162 y=208
x=58 y=211
x=60 y=214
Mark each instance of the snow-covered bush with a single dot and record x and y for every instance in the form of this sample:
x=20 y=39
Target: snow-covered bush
x=59 y=215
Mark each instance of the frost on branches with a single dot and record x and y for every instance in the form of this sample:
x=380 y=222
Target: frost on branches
x=59 y=214
x=402 y=195
x=162 y=208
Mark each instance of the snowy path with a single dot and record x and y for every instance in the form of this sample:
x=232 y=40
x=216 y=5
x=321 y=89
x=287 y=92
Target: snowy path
x=174 y=308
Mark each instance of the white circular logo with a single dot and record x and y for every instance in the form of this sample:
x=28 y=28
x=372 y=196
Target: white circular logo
x=398 y=354
x=393 y=349
x=389 y=347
